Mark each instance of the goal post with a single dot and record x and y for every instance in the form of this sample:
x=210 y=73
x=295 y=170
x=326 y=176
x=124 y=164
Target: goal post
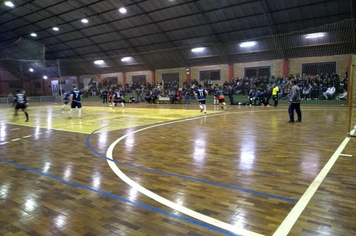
x=352 y=97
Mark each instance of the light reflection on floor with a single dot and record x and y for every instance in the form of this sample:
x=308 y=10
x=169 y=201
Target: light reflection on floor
x=52 y=117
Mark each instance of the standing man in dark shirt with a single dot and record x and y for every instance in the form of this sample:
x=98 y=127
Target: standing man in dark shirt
x=294 y=98
x=76 y=96
x=105 y=94
x=20 y=102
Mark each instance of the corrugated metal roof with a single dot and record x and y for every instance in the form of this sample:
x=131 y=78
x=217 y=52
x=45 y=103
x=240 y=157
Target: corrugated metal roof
x=160 y=34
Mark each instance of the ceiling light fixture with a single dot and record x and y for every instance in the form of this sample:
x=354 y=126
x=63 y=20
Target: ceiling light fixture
x=9 y=4
x=316 y=35
x=247 y=44
x=85 y=21
x=31 y=70
x=33 y=34
x=55 y=28
x=125 y=58
x=122 y=10
x=45 y=77
x=198 y=49
x=99 y=62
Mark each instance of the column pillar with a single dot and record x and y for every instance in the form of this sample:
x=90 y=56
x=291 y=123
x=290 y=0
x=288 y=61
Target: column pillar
x=286 y=68
x=43 y=87
x=153 y=77
x=123 y=79
x=231 y=72
x=187 y=71
x=1 y=90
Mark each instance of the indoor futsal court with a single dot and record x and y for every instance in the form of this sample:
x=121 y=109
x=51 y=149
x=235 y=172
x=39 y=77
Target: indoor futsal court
x=237 y=172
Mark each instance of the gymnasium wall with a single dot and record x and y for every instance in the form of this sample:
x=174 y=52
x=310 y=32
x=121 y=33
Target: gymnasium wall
x=295 y=64
x=276 y=66
x=147 y=73
x=181 y=71
x=194 y=72
x=6 y=79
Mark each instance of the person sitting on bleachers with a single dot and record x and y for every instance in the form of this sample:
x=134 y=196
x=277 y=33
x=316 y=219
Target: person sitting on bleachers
x=306 y=91
x=343 y=95
x=329 y=92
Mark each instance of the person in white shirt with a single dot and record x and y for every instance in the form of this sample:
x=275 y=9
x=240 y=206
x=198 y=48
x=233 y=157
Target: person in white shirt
x=329 y=92
x=343 y=95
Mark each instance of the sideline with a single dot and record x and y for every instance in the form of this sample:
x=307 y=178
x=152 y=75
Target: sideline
x=297 y=210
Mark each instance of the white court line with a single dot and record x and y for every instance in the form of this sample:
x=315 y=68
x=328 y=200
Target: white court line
x=16 y=139
x=297 y=210
x=27 y=136
x=171 y=204
x=15 y=129
x=4 y=143
x=346 y=155
x=217 y=223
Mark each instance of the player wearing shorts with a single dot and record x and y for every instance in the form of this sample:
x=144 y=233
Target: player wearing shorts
x=65 y=99
x=221 y=98
x=75 y=97
x=200 y=95
x=118 y=98
x=20 y=102
x=215 y=92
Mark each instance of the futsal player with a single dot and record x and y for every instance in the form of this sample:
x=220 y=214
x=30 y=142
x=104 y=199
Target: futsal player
x=20 y=102
x=75 y=97
x=118 y=98
x=221 y=98
x=200 y=94
x=215 y=92
x=65 y=99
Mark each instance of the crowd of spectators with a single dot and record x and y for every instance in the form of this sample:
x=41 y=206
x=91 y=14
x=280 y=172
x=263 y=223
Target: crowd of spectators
x=327 y=86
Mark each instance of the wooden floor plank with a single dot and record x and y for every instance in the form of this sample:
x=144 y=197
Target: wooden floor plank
x=246 y=167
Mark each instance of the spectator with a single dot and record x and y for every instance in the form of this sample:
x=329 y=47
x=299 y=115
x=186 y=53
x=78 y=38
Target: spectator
x=329 y=92
x=343 y=95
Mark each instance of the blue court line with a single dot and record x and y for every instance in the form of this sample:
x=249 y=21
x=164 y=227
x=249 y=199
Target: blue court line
x=182 y=176
x=124 y=199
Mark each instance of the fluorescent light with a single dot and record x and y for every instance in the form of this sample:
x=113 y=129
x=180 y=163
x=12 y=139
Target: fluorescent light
x=33 y=34
x=316 y=35
x=247 y=44
x=85 y=21
x=123 y=10
x=55 y=28
x=99 y=62
x=9 y=4
x=198 y=49
x=45 y=77
x=31 y=70
x=125 y=58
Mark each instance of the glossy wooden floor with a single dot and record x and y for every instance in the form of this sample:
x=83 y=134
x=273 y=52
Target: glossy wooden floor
x=244 y=166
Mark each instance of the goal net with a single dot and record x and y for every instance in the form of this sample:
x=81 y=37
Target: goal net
x=352 y=98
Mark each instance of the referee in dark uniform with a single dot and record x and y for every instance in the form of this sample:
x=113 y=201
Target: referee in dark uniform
x=20 y=102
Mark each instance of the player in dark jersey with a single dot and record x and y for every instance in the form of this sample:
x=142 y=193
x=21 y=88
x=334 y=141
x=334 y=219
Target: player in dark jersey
x=221 y=98
x=65 y=99
x=215 y=92
x=75 y=97
x=118 y=98
x=200 y=95
x=20 y=102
